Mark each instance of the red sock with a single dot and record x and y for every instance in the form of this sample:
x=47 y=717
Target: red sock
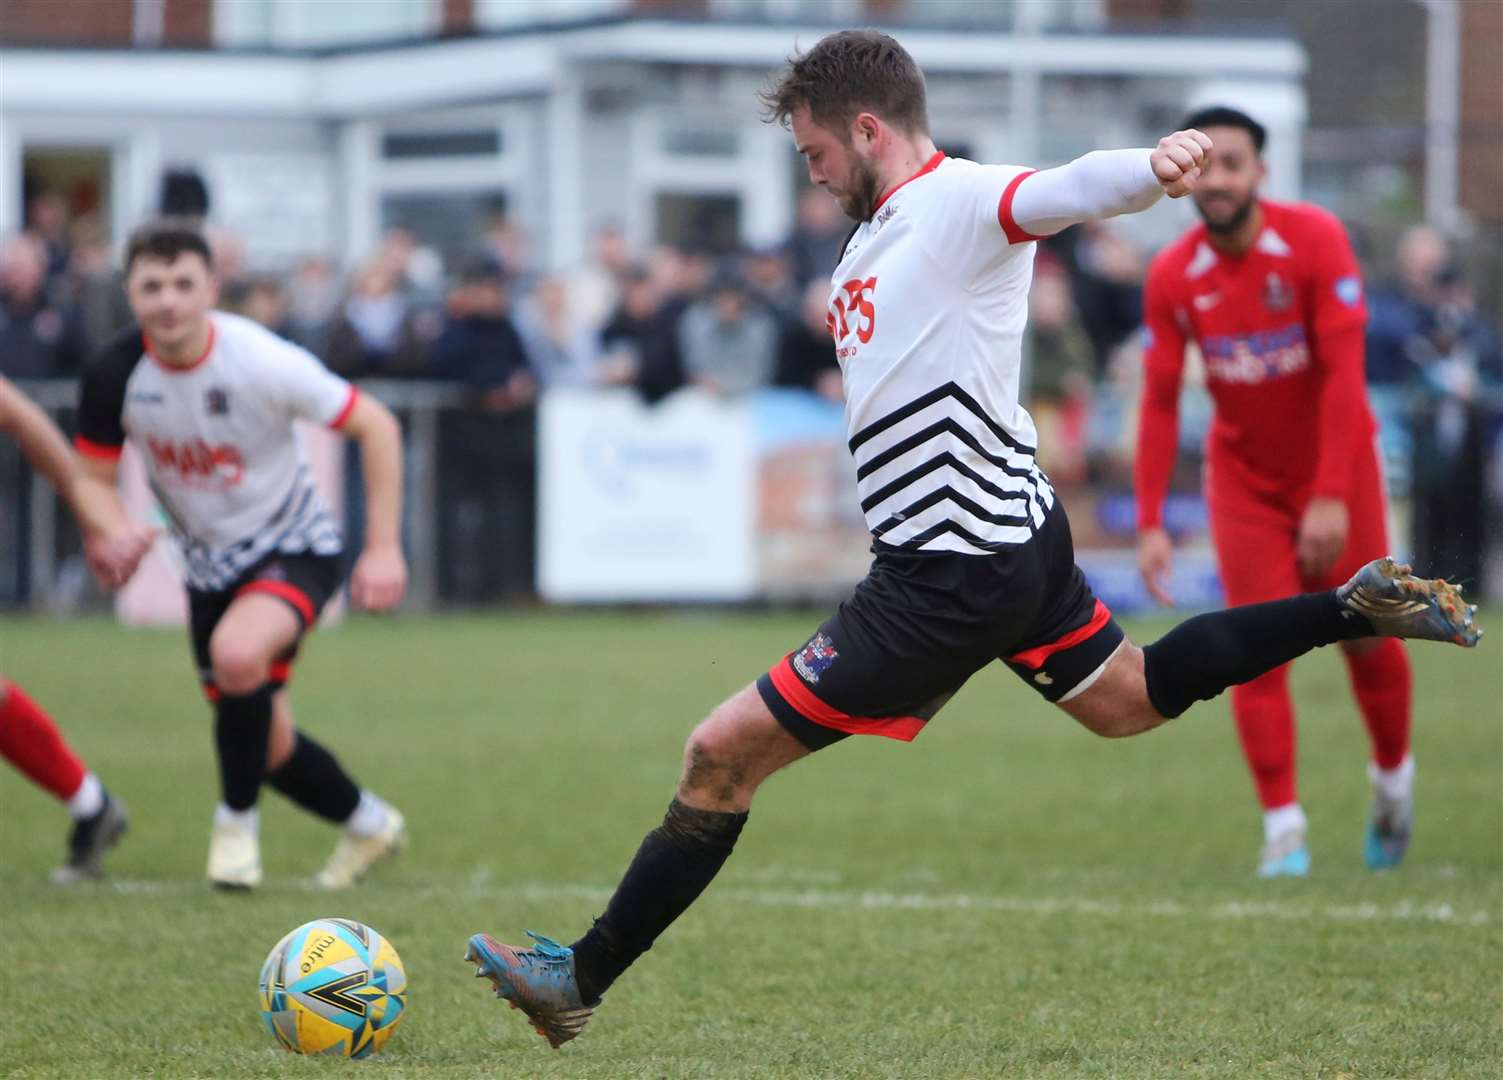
x=1265 y=721
x=31 y=742
x=1383 y=683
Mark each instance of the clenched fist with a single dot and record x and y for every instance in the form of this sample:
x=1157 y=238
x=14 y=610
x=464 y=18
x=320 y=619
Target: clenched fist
x=1177 y=161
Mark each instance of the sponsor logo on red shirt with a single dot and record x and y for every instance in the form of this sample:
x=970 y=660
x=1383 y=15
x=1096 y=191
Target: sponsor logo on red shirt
x=1256 y=358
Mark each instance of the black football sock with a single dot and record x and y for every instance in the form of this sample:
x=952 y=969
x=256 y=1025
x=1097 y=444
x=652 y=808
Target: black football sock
x=242 y=728
x=671 y=868
x=1203 y=656
x=313 y=778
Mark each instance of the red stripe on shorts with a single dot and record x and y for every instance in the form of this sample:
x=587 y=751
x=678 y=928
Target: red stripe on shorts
x=793 y=691
x=283 y=591
x=1035 y=657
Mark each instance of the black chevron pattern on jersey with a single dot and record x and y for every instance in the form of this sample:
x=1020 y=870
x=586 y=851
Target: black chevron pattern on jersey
x=939 y=461
x=301 y=524
x=944 y=494
x=945 y=426
x=918 y=541
x=939 y=393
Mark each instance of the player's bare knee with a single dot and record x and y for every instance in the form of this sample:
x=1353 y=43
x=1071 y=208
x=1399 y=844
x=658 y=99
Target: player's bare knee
x=714 y=763
x=238 y=668
x=1116 y=705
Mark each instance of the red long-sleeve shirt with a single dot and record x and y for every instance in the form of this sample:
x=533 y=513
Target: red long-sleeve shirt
x=1280 y=328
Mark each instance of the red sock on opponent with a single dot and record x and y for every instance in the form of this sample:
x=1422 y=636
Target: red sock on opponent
x=1265 y=723
x=1384 y=685
x=31 y=742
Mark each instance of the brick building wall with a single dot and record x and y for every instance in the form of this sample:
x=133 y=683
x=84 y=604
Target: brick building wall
x=1481 y=165
x=102 y=22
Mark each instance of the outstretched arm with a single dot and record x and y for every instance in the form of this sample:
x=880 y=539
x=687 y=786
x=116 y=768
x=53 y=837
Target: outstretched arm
x=41 y=443
x=1105 y=183
x=94 y=503
x=380 y=576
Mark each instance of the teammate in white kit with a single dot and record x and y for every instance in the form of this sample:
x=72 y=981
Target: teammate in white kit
x=974 y=560
x=209 y=400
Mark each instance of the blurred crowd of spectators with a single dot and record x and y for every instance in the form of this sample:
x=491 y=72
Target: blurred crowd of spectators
x=486 y=318
x=663 y=318
x=489 y=320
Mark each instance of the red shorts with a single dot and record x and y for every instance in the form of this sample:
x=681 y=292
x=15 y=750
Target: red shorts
x=1256 y=544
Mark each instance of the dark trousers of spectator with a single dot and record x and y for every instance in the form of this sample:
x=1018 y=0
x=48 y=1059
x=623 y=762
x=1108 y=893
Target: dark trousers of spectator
x=15 y=526
x=1450 y=494
x=487 y=498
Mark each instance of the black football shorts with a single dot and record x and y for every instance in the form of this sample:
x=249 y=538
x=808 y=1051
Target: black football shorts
x=919 y=625
x=305 y=583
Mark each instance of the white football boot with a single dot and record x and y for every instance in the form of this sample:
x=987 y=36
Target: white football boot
x=355 y=855
x=234 y=856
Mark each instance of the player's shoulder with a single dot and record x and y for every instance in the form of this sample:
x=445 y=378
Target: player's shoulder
x=1171 y=263
x=957 y=172
x=242 y=332
x=118 y=356
x=1302 y=220
x=249 y=344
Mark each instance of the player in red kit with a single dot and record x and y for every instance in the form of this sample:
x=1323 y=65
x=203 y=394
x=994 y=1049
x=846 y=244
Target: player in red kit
x=1271 y=294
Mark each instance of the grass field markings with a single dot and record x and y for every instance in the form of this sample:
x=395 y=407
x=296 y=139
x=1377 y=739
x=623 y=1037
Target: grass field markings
x=1440 y=912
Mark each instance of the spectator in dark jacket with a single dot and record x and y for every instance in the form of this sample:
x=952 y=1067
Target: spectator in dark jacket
x=487 y=453
x=480 y=345
x=38 y=338
x=639 y=343
x=806 y=350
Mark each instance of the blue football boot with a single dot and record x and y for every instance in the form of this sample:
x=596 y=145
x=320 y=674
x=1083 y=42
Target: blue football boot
x=1389 y=825
x=1286 y=855
x=539 y=980
x=1398 y=604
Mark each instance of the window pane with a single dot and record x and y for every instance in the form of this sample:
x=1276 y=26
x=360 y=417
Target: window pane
x=485 y=142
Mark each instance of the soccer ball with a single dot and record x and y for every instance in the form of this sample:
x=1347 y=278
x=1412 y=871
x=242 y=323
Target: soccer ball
x=333 y=986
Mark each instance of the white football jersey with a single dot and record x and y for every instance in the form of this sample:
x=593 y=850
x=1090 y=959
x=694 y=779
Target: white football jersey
x=218 y=443
x=927 y=310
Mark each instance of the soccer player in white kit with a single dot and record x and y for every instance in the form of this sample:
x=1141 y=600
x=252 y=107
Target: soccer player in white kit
x=974 y=560
x=208 y=399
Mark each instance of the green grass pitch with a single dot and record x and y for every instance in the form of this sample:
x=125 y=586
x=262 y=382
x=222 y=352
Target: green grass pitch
x=1008 y=896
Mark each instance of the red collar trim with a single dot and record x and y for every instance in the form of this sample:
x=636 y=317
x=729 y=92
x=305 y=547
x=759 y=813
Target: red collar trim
x=929 y=167
x=180 y=369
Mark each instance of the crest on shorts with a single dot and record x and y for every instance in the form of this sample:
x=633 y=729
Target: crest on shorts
x=816 y=658
x=217 y=401
x=1277 y=296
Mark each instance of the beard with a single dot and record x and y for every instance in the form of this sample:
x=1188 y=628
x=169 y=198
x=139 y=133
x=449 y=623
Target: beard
x=1232 y=222
x=859 y=200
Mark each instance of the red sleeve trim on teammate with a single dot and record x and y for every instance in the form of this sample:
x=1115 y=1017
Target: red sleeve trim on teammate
x=799 y=696
x=98 y=451
x=1035 y=657
x=344 y=413
x=283 y=591
x=1014 y=232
